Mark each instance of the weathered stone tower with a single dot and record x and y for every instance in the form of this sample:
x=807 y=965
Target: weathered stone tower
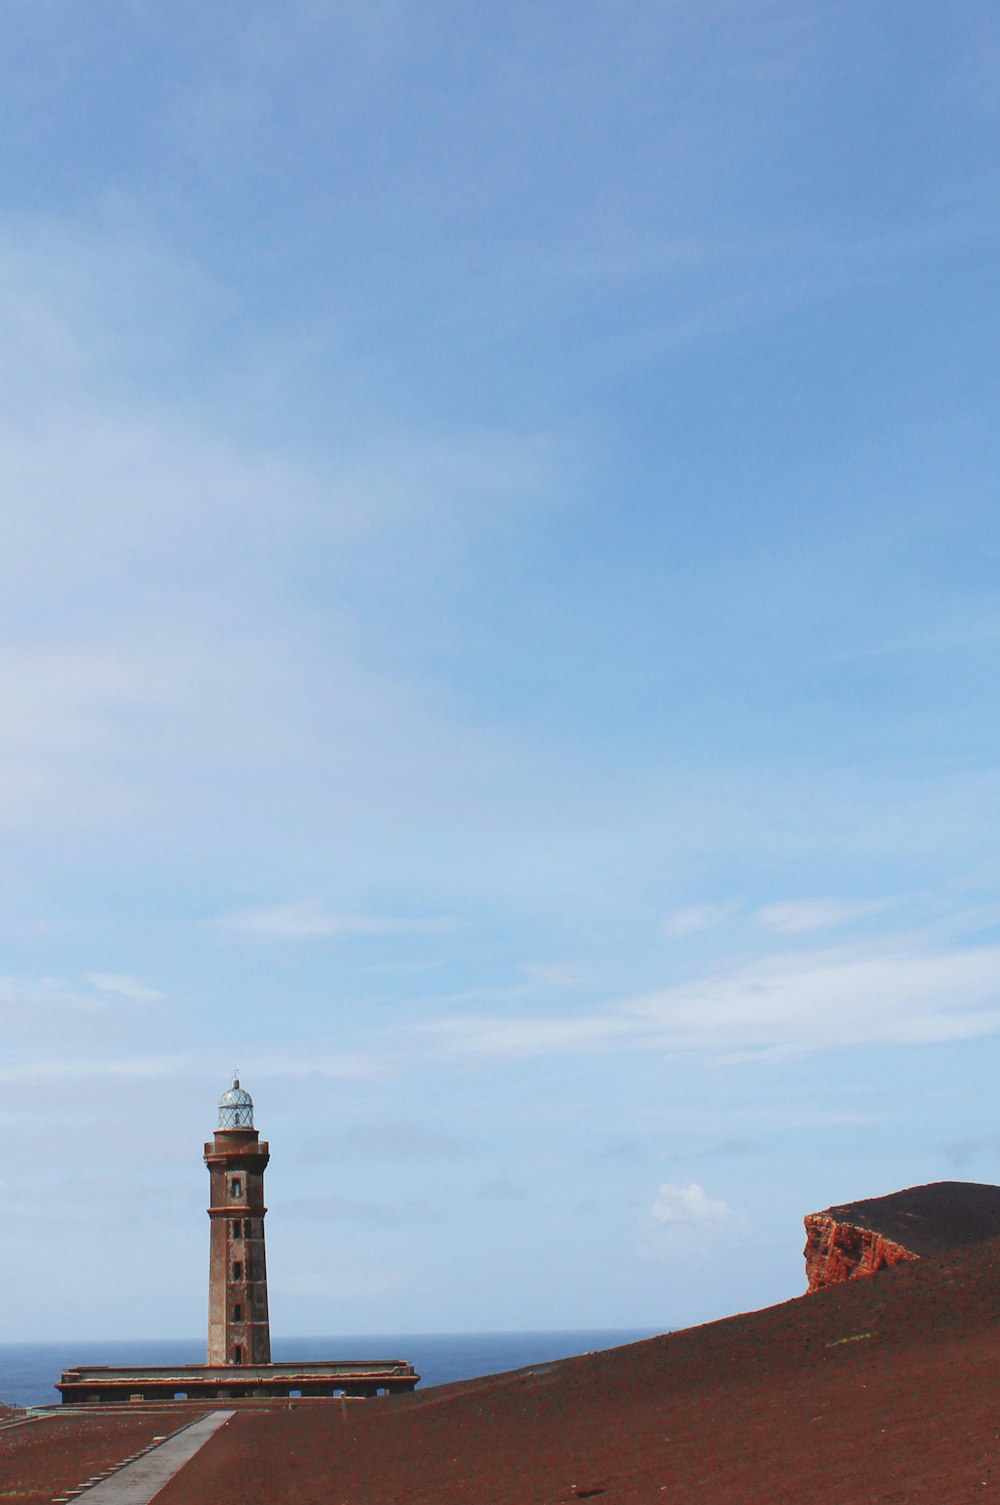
x=238 y=1331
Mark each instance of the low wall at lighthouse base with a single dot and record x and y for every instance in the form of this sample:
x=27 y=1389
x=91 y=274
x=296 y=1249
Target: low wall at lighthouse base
x=352 y=1378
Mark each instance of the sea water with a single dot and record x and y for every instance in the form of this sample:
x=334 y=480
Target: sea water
x=28 y=1371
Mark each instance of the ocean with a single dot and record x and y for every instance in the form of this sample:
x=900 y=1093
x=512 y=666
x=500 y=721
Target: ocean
x=28 y=1371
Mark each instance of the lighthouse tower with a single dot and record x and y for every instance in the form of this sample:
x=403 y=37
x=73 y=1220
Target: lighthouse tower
x=238 y=1331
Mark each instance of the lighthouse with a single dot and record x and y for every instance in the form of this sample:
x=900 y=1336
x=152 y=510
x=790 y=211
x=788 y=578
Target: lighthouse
x=238 y=1332
x=239 y=1341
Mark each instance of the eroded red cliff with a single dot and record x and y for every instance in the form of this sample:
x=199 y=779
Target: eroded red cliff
x=836 y=1252
x=861 y=1238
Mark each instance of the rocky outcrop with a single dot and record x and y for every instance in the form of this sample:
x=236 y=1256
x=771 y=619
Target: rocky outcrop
x=861 y=1238
x=836 y=1252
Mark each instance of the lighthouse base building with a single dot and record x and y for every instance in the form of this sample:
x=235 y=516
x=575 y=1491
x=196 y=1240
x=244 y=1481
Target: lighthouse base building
x=239 y=1341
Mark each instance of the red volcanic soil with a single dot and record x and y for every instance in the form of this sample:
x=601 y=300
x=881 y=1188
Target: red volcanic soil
x=48 y=1456
x=928 y=1219
x=877 y=1392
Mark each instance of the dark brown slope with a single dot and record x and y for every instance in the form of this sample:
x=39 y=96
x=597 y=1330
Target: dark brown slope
x=928 y=1219
x=877 y=1392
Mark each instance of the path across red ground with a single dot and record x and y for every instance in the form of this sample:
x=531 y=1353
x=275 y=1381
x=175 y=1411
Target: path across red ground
x=44 y=1458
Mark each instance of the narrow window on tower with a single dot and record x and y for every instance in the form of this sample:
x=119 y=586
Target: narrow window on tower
x=237 y=1187
x=237 y=1228
x=238 y=1354
x=238 y=1270
x=237 y=1312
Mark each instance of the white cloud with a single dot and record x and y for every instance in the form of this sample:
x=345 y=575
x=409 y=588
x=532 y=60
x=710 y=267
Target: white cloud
x=687 y=1205
x=890 y=993
x=816 y=1000
x=312 y=920
x=700 y=917
x=800 y=916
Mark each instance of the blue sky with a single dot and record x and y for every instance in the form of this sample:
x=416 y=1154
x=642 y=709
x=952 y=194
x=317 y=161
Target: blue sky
x=498 y=639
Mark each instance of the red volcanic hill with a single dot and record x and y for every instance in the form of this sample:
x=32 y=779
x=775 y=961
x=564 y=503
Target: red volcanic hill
x=861 y=1238
x=868 y=1392
x=871 y=1391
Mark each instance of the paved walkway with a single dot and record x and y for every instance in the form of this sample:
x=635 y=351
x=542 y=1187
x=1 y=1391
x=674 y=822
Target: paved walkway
x=138 y=1482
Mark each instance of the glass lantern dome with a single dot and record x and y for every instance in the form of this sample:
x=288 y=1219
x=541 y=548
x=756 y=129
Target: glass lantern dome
x=236 y=1108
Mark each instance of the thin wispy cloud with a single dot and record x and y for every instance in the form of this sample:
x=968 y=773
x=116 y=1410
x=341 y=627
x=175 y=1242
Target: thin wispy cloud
x=944 y=638
x=487 y=1038
x=44 y=996
x=313 y=920
x=829 y=999
x=879 y=994
x=698 y=917
x=548 y=975
x=801 y=916
x=122 y=986
x=126 y=1068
